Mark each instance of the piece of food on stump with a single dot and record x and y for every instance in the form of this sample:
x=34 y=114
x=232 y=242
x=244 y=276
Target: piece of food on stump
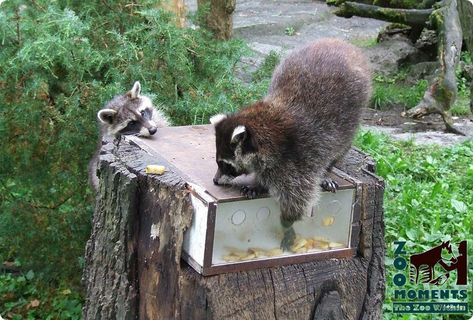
x=154 y=169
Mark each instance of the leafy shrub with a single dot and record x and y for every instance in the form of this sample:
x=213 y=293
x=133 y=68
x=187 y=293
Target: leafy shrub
x=23 y=295
x=59 y=62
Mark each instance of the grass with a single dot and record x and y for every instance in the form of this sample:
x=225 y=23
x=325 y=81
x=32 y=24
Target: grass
x=364 y=42
x=290 y=31
x=428 y=198
x=395 y=90
x=23 y=297
x=390 y=91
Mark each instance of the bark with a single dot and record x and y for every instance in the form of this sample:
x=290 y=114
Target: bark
x=411 y=17
x=442 y=92
x=111 y=252
x=218 y=17
x=465 y=11
x=134 y=268
x=178 y=8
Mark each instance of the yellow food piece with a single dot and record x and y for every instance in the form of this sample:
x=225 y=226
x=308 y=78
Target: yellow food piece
x=231 y=258
x=154 y=169
x=336 y=245
x=328 y=221
x=274 y=252
x=320 y=244
x=258 y=252
x=298 y=244
x=249 y=257
x=301 y=250
x=310 y=244
x=238 y=253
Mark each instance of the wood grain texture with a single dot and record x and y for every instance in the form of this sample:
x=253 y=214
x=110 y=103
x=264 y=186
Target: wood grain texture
x=134 y=270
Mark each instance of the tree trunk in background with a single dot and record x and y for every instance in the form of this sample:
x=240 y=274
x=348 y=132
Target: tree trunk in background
x=218 y=17
x=465 y=10
x=178 y=8
x=445 y=20
x=134 y=271
x=442 y=92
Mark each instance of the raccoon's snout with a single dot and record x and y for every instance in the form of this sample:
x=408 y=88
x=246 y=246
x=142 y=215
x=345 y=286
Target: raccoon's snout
x=152 y=130
x=217 y=176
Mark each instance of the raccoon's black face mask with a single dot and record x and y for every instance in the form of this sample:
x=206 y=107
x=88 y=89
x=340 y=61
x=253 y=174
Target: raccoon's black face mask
x=232 y=143
x=129 y=114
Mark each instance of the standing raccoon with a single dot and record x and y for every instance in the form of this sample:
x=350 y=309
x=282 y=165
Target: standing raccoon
x=127 y=114
x=286 y=143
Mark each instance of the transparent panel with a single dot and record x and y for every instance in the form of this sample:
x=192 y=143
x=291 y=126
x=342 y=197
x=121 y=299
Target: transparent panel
x=194 y=237
x=251 y=230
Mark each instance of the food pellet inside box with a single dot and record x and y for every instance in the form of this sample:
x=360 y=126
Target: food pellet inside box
x=301 y=245
x=251 y=230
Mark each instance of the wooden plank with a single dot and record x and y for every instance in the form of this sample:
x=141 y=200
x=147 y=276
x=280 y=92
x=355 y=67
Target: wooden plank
x=191 y=149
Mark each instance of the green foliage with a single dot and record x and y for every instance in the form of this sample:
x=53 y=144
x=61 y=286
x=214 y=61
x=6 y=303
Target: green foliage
x=461 y=107
x=429 y=192
x=267 y=67
x=389 y=91
x=22 y=297
x=397 y=90
x=404 y=4
x=60 y=61
x=289 y=31
x=463 y=78
x=364 y=42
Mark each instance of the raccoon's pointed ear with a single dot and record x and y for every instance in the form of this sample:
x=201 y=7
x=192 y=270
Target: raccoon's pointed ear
x=239 y=134
x=217 y=118
x=245 y=137
x=135 y=91
x=106 y=115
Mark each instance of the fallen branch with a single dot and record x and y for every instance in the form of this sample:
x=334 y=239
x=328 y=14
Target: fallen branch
x=411 y=17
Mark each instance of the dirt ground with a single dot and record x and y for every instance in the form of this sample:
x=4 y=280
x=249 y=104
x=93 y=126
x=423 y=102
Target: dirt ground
x=393 y=118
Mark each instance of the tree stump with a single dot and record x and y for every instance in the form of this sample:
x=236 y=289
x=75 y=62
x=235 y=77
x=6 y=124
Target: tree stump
x=134 y=270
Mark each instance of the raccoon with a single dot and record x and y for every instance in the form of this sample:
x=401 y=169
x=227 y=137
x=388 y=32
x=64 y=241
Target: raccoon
x=128 y=114
x=286 y=143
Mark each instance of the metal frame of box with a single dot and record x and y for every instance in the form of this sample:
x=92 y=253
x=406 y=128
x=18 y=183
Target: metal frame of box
x=208 y=269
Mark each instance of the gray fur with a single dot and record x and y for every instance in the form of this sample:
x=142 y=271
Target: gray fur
x=127 y=114
x=304 y=125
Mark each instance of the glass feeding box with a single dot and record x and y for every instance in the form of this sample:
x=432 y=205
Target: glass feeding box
x=230 y=232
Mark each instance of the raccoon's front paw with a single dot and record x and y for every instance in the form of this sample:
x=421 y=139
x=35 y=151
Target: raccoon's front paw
x=288 y=239
x=329 y=185
x=252 y=192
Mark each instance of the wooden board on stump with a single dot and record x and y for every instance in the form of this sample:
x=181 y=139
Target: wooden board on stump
x=134 y=270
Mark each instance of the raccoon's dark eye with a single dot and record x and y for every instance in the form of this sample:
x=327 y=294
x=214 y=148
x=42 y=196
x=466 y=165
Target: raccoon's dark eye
x=227 y=169
x=146 y=113
x=132 y=122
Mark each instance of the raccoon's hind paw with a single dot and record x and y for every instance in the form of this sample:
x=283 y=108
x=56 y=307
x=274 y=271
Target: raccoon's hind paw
x=288 y=239
x=252 y=192
x=329 y=185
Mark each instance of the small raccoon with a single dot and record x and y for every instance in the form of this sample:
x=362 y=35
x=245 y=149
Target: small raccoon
x=286 y=143
x=128 y=114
